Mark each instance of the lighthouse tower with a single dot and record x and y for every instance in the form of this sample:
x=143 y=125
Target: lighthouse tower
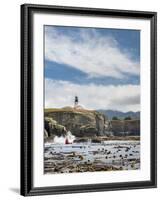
x=76 y=102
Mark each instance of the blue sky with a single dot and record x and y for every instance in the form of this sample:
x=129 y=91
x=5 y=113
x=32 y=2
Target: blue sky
x=79 y=58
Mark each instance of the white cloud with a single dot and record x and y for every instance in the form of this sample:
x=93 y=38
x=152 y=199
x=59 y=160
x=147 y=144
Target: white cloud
x=122 y=97
x=93 y=54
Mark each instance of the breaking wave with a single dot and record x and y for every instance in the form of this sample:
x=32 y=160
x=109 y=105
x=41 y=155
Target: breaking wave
x=63 y=140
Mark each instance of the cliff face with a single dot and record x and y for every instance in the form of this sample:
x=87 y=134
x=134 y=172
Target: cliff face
x=86 y=123
x=53 y=128
x=80 y=122
x=125 y=127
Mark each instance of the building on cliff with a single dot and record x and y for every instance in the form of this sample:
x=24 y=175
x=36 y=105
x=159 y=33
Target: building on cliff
x=76 y=104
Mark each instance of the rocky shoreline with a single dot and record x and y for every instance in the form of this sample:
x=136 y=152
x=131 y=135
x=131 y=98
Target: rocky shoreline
x=99 y=139
x=90 y=157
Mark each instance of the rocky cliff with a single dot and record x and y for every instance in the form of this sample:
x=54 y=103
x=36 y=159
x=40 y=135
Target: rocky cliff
x=80 y=122
x=125 y=127
x=53 y=128
x=86 y=123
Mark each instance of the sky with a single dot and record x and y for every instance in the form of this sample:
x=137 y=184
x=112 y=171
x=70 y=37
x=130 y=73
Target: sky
x=99 y=65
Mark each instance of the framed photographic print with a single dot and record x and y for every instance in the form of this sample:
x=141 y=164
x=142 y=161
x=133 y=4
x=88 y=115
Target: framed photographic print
x=88 y=99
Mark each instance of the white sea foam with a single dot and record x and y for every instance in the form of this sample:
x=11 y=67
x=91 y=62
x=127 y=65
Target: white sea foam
x=62 y=140
x=59 y=140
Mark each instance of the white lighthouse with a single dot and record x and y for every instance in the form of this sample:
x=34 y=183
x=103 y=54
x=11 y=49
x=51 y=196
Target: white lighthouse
x=76 y=104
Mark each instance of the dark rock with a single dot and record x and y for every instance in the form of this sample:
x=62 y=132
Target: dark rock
x=96 y=140
x=78 y=140
x=52 y=128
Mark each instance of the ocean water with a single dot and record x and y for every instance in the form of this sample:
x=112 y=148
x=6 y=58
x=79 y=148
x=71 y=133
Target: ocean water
x=90 y=157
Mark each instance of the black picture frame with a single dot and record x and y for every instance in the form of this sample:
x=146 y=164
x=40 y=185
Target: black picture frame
x=27 y=11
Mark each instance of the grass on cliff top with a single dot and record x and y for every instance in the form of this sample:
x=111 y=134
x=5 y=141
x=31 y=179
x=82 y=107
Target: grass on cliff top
x=66 y=109
x=54 y=109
